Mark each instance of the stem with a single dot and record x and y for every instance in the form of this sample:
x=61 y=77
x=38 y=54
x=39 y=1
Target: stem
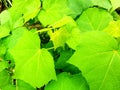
x=9 y=2
x=16 y=85
x=44 y=30
x=50 y=48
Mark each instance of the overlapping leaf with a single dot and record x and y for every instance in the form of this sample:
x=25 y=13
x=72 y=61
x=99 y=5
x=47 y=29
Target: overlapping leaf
x=98 y=57
x=68 y=82
x=94 y=19
x=113 y=28
x=33 y=65
x=54 y=10
x=23 y=10
x=68 y=33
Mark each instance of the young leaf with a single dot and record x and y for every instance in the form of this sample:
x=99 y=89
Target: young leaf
x=33 y=65
x=68 y=33
x=96 y=20
x=59 y=37
x=68 y=82
x=113 y=28
x=98 y=57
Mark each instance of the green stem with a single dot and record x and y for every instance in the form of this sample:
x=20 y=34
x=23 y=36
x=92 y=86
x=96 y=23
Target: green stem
x=44 y=30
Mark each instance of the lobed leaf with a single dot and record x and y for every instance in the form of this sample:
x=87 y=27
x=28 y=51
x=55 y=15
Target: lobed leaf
x=98 y=57
x=33 y=65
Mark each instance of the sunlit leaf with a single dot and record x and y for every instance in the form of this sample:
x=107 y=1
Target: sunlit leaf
x=68 y=33
x=113 y=28
x=54 y=10
x=33 y=65
x=98 y=57
x=94 y=19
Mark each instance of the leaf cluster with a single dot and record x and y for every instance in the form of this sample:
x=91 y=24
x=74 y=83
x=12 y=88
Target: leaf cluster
x=60 y=45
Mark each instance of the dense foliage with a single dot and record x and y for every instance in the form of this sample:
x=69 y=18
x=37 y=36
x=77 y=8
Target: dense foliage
x=59 y=45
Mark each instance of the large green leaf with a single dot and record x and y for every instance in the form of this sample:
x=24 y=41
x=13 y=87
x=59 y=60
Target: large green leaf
x=68 y=82
x=113 y=28
x=54 y=10
x=32 y=64
x=94 y=19
x=98 y=57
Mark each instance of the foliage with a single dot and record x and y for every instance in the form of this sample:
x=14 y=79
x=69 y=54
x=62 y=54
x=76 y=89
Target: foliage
x=60 y=45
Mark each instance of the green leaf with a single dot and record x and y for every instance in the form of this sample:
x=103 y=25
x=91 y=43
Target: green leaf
x=5 y=24
x=3 y=65
x=64 y=56
x=59 y=37
x=68 y=82
x=21 y=85
x=26 y=9
x=2 y=48
x=78 y=6
x=83 y=4
x=98 y=57
x=96 y=20
x=102 y=3
x=4 y=31
x=54 y=10
x=4 y=78
x=9 y=86
x=68 y=33
x=115 y=4
x=113 y=28
x=4 y=17
x=33 y=65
